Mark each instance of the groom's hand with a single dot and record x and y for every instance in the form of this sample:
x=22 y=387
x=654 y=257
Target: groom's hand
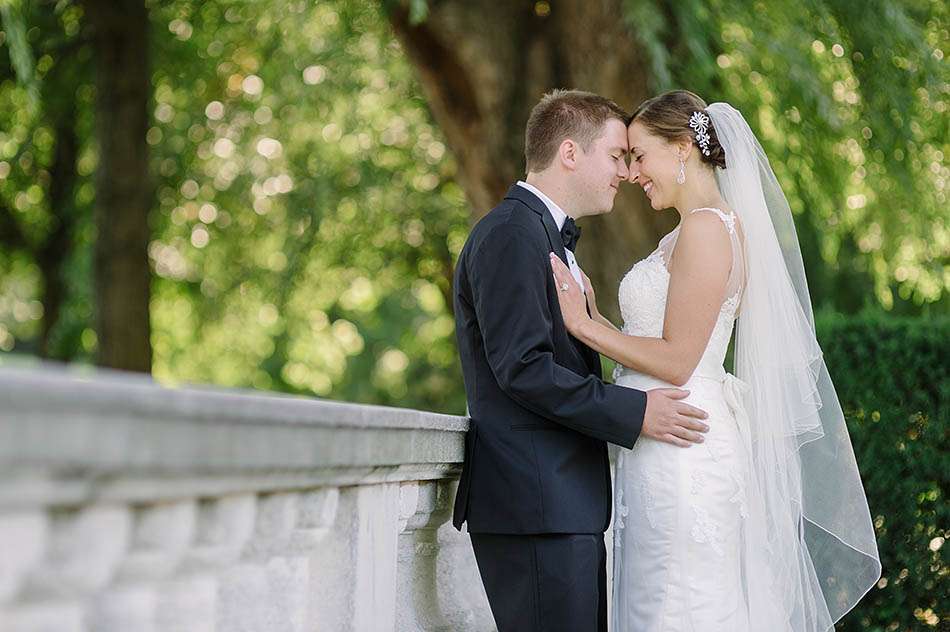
x=671 y=420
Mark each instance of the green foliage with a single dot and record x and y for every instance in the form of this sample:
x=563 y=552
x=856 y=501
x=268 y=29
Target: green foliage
x=418 y=11
x=893 y=380
x=849 y=99
x=306 y=215
x=307 y=219
x=20 y=54
x=62 y=77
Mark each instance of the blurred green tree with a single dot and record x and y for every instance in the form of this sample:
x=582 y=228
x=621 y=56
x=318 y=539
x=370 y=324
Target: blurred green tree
x=849 y=99
x=307 y=204
x=40 y=219
x=307 y=216
x=43 y=223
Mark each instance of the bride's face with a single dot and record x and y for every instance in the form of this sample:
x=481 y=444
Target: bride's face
x=653 y=165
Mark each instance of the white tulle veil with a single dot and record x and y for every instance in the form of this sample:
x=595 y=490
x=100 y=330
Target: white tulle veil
x=808 y=541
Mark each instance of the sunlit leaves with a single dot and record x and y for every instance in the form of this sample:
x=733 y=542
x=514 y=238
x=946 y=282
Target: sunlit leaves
x=846 y=97
x=309 y=189
x=306 y=215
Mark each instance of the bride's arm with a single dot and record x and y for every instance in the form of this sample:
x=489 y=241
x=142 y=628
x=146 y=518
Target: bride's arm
x=698 y=280
x=592 y=303
x=606 y=323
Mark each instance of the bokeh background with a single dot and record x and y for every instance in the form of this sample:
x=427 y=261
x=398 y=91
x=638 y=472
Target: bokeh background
x=272 y=194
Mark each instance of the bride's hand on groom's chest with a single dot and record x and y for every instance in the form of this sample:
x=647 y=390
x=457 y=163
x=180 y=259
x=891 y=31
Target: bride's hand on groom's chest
x=570 y=297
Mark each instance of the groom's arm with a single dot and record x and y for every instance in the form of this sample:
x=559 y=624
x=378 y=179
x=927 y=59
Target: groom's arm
x=509 y=277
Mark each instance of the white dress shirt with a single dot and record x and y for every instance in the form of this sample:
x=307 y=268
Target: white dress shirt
x=559 y=218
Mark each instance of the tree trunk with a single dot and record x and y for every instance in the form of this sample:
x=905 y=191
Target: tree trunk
x=484 y=64
x=123 y=187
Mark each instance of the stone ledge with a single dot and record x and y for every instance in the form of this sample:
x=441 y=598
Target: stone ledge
x=57 y=389
x=23 y=489
x=125 y=505
x=60 y=432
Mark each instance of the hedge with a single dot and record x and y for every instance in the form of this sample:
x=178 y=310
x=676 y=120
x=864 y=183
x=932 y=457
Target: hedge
x=891 y=375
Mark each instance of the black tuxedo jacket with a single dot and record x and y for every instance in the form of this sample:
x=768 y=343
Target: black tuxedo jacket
x=535 y=455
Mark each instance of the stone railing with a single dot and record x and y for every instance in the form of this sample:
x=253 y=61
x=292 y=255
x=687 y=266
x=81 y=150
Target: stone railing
x=127 y=506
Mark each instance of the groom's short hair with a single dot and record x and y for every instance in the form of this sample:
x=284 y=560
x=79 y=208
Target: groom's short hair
x=563 y=114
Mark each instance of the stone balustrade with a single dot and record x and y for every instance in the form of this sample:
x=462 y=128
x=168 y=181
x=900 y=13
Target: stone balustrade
x=130 y=507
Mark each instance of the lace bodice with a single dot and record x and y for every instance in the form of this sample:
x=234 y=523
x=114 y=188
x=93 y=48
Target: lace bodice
x=643 y=293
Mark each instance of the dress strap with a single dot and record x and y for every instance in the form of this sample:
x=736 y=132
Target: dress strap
x=729 y=219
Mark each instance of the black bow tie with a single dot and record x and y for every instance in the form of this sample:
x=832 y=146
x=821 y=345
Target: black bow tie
x=570 y=233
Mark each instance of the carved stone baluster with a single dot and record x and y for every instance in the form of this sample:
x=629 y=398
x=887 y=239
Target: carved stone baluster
x=24 y=537
x=417 y=606
x=85 y=548
x=160 y=535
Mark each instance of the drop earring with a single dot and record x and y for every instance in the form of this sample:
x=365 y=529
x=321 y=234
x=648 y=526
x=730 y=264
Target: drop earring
x=681 y=176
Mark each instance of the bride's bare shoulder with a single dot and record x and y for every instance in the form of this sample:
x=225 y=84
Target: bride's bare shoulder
x=713 y=224
x=704 y=239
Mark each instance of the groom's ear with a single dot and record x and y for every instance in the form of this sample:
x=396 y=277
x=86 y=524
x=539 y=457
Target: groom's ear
x=567 y=153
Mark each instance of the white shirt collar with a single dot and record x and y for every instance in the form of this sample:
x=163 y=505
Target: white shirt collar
x=556 y=211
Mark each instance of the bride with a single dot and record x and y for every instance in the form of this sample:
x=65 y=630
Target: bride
x=764 y=526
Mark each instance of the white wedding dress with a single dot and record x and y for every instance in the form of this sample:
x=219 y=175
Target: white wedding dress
x=765 y=526
x=679 y=511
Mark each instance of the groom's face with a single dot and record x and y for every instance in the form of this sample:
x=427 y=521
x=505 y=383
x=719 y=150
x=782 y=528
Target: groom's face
x=602 y=168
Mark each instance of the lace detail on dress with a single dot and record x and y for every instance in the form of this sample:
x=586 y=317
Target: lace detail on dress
x=618 y=371
x=649 y=502
x=698 y=480
x=622 y=509
x=729 y=219
x=643 y=297
x=706 y=531
x=722 y=331
x=621 y=512
x=739 y=497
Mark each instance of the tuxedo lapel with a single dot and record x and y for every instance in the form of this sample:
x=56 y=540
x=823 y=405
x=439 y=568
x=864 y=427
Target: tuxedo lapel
x=529 y=199
x=532 y=201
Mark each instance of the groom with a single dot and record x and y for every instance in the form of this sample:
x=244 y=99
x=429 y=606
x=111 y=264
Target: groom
x=535 y=487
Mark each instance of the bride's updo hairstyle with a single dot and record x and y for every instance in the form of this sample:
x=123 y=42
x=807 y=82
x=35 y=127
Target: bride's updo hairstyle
x=668 y=116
